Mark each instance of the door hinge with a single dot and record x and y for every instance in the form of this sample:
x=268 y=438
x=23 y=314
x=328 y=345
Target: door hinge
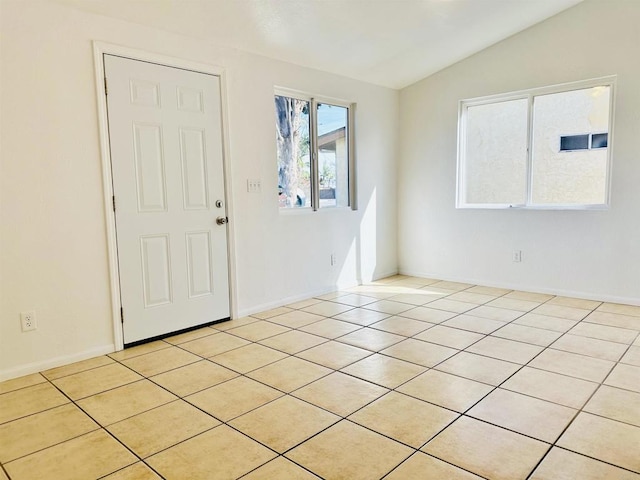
x=114 y=203
x=106 y=90
x=121 y=315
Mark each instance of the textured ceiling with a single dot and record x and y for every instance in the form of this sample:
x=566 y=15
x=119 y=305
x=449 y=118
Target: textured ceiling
x=387 y=42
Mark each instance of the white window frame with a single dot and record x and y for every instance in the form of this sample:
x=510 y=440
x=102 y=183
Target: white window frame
x=314 y=100
x=529 y=95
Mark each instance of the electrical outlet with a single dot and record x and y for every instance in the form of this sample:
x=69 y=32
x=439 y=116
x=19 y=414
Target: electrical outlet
x=333 y=259
x=28 y=321
x=517 y=256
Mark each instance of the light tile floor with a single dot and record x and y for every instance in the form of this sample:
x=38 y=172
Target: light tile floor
x=404 y=378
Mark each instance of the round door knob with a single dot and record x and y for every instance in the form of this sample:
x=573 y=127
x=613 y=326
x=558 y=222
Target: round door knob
x=219 y=203
x=221 y=220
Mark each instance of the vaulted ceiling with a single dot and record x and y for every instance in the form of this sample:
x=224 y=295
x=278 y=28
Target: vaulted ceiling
x=392 y=43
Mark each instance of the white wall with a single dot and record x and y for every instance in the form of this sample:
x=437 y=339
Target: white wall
x=594 y=254
x=53 y=233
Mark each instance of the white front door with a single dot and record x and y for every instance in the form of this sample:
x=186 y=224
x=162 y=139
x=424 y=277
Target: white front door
x=165 y=133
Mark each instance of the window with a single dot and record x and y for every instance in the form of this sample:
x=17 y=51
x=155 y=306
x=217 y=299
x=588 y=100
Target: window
x=315 y=158
x=541 y=148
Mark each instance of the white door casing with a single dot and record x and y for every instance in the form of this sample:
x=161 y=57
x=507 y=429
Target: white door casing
x=166 y=146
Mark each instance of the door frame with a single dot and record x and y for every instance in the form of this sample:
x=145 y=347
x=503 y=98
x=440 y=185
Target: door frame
x=99 y=50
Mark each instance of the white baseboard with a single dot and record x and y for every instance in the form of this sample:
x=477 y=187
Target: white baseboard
x=526 y=288
x=36 y=367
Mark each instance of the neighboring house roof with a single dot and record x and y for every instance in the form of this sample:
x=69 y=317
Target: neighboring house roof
x=328 y=138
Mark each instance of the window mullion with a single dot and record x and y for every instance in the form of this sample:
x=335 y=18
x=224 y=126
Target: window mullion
x=530 y=119
x=313 y=139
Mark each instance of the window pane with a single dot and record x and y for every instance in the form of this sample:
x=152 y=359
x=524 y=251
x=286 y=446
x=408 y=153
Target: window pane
x=333 y=157
x=574 y=142
x=294 y=162
x=577 y=176
x=495 y=161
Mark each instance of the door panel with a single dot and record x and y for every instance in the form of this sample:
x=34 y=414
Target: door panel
x=165 y=133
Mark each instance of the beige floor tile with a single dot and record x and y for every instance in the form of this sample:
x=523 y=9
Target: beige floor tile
x=3 y=475
x=258 y=331
x=605 y=332
x=561 y=311
x=137 y=471
x=591 y=347
x=556 y=324
x=361 y=316
x=450 y=391
x=616 y=404
x=417 y=351
x=457 y=286
x=470 y=297
x=233 y=398
x=340 y=393
x=449 y=337
x=293 y=341
x=191 y=335
x=371 y=339
x=402 y=326
x=498 y=292
x=604 y=439
x=21 y=382
x=502 y=349
x=476 y=367
x=530 y=296
x=522 y=333
x=632 y=310
x=296 y=319
x=568 y=391
x=354 y=300
x=474 y=324
x=420 y=297
x=390 y=307
x=631 y=322
x=575 y=303
x=236 y=322
x=247 y=358
x=572 y=364
x=339 y=293
x=427 y=314
x=29 y=400
x=42 y=430
x=193 y=377
x=495 y=313
x=421 y=465
x=214 y=345
x=327 y=309
x=452 y=305
x=632 y=357
x=162 y=427
x=280 y=468
x=511 y=303
x=334 y=355
x=271 y=313
x=124 y=402
x=386 y=371
x=624 y=376
x=90 y=456
x=284 y=423
x=218 y=453
x=349 y=451
x=289 y=373
x=489 y=451
x=161 y=361
x=561 y=464
x=403 y=418
x=90 y=382
x=140 y=350
x=523 y=414
x=77 y=367
x=330 y=328
x=303 y=303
